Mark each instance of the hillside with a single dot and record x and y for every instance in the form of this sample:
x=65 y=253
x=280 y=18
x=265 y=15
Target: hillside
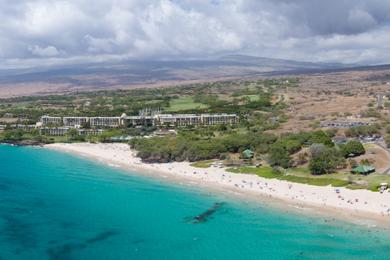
x=130 y=74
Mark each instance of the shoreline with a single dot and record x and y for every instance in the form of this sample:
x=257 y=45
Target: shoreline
x=361 y=207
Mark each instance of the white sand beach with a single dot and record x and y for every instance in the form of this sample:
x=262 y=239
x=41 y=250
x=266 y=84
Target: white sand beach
x=361 y=204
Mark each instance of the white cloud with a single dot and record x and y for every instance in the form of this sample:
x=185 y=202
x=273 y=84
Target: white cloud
x=311 y=30
x=48 y=51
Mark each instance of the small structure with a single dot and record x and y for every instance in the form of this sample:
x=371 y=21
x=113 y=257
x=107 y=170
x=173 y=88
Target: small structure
x=120 y=138
x=363 y=169
x=247 y=154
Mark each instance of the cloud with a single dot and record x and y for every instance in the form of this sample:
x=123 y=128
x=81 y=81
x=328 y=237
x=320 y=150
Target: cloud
x=311 y=30
x=48 y=51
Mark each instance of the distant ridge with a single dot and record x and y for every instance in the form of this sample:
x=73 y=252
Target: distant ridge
x=152 y=73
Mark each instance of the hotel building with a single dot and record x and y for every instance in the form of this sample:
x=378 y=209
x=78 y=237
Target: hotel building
x=136 y=120
x=177 y=120
x=105 y=121
x=127 y=121
x=73 y=121
x=217 y=119
x=51 y=120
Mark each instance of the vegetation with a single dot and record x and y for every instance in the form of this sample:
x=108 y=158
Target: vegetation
x=184 y=103
x=215 y=97
x=352 y=148
x=324 y=159
x=270 y=173
x=363 y=130
x=387 y=140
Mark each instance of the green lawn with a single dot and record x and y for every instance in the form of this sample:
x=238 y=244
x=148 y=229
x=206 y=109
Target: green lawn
x=269 y=173
x=299 y=171
x=265 y=172
x=184 y=103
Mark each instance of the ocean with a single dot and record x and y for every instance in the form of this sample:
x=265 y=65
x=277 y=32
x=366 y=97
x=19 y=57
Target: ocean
x=58 y=206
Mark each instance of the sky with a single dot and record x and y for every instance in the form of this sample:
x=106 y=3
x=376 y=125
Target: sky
x=50 y=32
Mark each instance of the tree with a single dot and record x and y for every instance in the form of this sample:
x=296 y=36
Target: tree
x=278 y=156
x=320 y=137
x=352 y=147
x=72 y=133
x=13 y=135
x=323 y=159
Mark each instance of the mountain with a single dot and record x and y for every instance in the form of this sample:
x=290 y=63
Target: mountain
x=153 y=73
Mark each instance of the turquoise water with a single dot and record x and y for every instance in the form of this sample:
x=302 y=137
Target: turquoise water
x=57 y=206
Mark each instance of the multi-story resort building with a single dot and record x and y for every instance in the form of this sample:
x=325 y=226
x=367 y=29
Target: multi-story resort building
x=177 y=120
x=51 y=120
x=217 y=119
x=74 y=121
x=105 y=122
x=187 y=119
x=180 y=119
x=136 y=120
x=62 y=125
x=165 y=120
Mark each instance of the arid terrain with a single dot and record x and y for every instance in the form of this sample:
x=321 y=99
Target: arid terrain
x=334 y=96
x=145 y=74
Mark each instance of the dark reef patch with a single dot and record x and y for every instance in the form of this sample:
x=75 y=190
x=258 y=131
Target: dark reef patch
x=102 y=236
x=206 y=215
x=20 y=232
x=63 y=252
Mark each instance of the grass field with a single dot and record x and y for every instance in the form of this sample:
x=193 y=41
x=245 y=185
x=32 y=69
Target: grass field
x=184 y=103
x=302 y=175
x=269 y=173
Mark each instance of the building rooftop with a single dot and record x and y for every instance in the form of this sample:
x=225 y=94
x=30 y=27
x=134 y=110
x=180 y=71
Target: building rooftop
x=363 y=169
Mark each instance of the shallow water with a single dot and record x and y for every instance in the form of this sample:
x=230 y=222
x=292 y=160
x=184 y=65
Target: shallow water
x=57 y=206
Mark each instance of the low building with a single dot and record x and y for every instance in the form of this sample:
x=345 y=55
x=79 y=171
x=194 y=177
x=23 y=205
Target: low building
x=24 y=127
x=54 y=131
x=120 y=138
x=62 y=131
x=8 y=115
x=86 y=132
x=74 y=121
x=363 y=169
x=105 y=121
x=343 y=124
x=247 y=154
x=51 y=120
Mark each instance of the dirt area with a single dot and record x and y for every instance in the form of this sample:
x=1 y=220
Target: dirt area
x=333 y=96
x=378 y=155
